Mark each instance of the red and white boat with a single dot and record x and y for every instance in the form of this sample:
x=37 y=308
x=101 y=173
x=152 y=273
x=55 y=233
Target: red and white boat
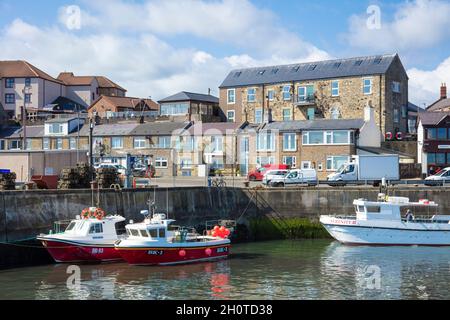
x=88 y=238
x=155 y=242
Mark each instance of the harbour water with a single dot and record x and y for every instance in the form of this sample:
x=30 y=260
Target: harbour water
x=303 y=269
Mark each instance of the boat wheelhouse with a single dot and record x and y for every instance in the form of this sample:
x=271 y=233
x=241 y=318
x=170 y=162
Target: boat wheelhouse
x=155 y=241
x=391 y=221
x=89 y=238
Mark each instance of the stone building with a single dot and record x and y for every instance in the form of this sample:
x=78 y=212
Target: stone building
x=321 y=144
x=335 y=89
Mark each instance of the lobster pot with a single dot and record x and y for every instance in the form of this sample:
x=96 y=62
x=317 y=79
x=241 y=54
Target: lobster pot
x=7 y=181
x=106 y=177
x=84 y=174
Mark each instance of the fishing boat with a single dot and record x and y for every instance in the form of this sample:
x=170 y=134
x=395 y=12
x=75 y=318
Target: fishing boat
x=90 y=237
x=390 y=221
x=156 y=241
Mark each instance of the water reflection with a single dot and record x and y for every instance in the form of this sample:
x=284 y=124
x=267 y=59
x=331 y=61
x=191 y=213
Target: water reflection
x=404 y=272
x=268 y=270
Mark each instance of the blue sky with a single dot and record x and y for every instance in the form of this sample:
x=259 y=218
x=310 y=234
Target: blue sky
x=156 y=47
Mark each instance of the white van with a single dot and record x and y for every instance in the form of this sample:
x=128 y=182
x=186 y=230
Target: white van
x=271 y=174
x=296 y=176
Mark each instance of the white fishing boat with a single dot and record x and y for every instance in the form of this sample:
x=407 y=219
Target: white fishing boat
x=390 y=221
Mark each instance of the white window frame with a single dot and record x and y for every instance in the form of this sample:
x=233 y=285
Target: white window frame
x=266 y=136
x=253 y=95
x=139 y=146
x=17 y=142
x=233 y=118
x=285 y=92
x=396 y=115
x=306 y=165
x=45 y=143
x=261 y=111
x=159 y=163
x=327 y=134
x=287 y=137
x=270 y=158
x=332 y=161
x=290 y=114
x=59 y=144
x=116 y=139
x=72 y=143
x=396 y=86
x=186 y=163
x=333 y=89
x=216 y=144
x=269 y=92
x=365 y=86
x=294 y=161
x=229 y=101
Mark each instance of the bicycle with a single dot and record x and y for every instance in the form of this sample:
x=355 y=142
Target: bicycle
x=219 y=182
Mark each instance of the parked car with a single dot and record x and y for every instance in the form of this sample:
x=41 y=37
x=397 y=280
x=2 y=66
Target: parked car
x=121 y=169
x=270 y=174
x=439 y=178
x=258 y=174
x=295 y=177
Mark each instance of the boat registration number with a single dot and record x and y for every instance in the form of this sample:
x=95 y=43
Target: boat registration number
x=97 y=250
x=222 y=249
x=155 y=252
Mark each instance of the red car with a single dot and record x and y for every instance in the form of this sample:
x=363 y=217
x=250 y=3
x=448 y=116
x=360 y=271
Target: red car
x=258 y=174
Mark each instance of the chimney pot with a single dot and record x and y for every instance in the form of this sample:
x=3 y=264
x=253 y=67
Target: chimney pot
x=443 y=91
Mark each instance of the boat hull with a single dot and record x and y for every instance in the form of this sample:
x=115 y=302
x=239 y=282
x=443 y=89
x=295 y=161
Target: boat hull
x=65 y=252
x=172 y=255
x=399 y=234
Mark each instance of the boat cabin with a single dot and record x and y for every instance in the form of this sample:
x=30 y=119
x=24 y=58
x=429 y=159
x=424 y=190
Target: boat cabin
x=390 y=208
x=156 y=228
x=110 y=226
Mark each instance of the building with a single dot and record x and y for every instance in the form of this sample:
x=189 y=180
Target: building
x=123 y=107
x=3 y=117
x=87 y=89
x=22 y=84
x=321 y=144
x=335 y=89
x=208 y=146
x=188 y=106
x=433 y=139
x=413 y=116
x=443 y=103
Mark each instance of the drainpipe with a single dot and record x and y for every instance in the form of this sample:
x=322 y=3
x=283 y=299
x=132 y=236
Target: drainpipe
x=381 y=106
x=263 y=103
x=293 y=100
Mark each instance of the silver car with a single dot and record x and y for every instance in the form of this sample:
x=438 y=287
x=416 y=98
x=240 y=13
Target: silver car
x=271 y=174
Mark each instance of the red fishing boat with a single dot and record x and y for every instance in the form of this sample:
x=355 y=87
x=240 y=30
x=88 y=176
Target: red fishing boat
x=88 y=238
x=156 y=242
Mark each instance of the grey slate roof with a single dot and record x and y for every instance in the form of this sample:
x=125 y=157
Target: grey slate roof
x=160 y=128
x=15 y=132
x=117 y=129
x=358 y=66
x=440 y=104
x=432 y=118
x=190 y=96
x=214 y=128
x=321 y=124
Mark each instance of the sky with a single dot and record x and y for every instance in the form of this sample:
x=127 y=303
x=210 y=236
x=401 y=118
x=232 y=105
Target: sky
x=155 y=48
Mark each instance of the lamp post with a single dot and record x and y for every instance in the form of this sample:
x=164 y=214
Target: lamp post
x=91 y=156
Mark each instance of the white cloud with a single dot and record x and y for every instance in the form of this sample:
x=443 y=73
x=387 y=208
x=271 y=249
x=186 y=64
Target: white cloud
x=416 y=25
x=126 y=41
x=424 y=86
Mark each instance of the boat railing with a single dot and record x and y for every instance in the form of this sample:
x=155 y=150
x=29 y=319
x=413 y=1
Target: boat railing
x=60 y=225
x=425 y=219
x=353 y=217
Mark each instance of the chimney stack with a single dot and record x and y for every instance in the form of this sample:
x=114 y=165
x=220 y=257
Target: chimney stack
x=443 y=91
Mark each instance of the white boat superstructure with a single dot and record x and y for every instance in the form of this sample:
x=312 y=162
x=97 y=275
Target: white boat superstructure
x=390 y=221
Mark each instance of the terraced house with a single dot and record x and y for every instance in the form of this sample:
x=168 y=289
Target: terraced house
x=321 y=144
x=334 y=89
